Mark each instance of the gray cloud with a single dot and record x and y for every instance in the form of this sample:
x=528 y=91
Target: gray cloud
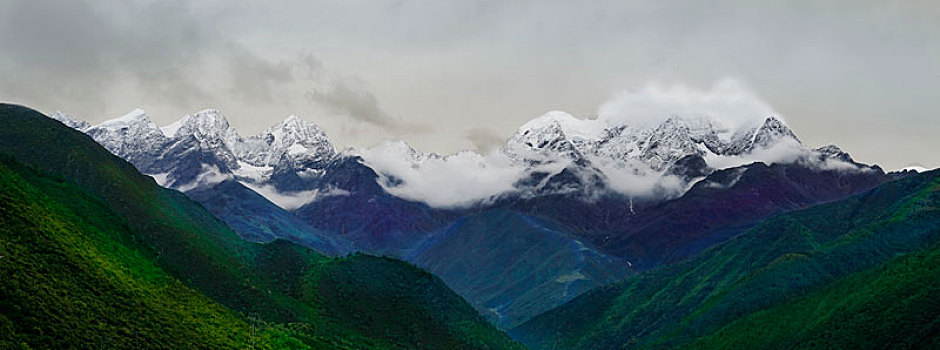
x=360 y=104
x=98 y=61
x=254 y=79
x=483 y=139
x=71 y=50
x=861 y=74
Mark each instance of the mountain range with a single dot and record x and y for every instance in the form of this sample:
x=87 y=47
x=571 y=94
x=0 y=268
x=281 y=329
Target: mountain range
x=565 y=206
x=687 y=232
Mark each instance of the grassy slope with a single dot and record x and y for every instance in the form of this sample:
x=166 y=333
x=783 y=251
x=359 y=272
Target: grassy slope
x=178 y=234
x=787 y=257
x=406 y=304
x=96 y=254
x=891 y=306
x=72 y=278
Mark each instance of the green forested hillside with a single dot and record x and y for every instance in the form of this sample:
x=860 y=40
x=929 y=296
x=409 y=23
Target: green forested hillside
x=95 y=255
x=894 y=305
x=858 y=272
x=71 y=277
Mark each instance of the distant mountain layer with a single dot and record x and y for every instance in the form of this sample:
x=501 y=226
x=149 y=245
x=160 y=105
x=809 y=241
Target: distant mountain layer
x=722 y=205
x=95 y=255
x=522 y=265
x=856 y=273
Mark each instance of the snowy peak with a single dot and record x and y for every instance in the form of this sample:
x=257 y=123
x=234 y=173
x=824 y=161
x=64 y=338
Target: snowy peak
x=760 y=136
x=66 y=119
x=289 y=155
x=834 y=152
x=129 y=136
x=135 y=119
x=772 y=131
x=831 y=150
x=546 y=138
x=557 y=120
x=206 y=132
x=669 y=142
x=296 y=142
x=296 y=131
x=206 y=124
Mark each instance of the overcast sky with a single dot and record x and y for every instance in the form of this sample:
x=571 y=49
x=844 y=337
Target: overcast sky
x=449 y=75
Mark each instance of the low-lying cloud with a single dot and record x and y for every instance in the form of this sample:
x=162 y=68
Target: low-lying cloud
x=457 y=180
x=639 y=181
x=785 y=151
x=292 y=200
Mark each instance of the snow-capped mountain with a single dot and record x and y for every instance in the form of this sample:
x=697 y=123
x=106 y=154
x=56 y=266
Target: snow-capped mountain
x=132 y=137
x=66 y=119
x=203 y=149
x=661 y=160
x=296 y=152
x=303 y=144
x=208 y=131
x=560 y=136
x=556 y=153
x=553 y=137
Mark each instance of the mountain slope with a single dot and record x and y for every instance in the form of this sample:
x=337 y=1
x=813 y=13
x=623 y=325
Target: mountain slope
x=788 y=256
x=258 y=220
x=389 y=296
x=70 y=278
x=365 y=215
x=192 y=245
x=95 y=254
x=724 y=204
x=538 y=263
x=890 y=306
x=719 y=206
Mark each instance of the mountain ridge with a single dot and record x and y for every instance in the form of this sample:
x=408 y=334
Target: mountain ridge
x=601 y=156
x=792 y=258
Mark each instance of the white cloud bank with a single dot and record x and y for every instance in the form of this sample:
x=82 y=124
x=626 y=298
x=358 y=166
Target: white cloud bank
x=292 y=200
x=783 y=152
x=456 y=180
x=210 y=176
